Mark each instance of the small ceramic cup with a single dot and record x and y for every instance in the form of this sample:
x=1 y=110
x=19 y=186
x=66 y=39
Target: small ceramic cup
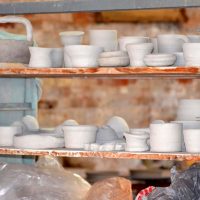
x=170 y=43
x=179 y=59
x=104 y=38
x=191 y=139
x=137 y=141
x=40 y=57
x=82 y=55
x=124 y=41
x=71 y=37
x=57 y=57
x=194 y=38
x=166 y=137
x=191 y=53
x=137 y=53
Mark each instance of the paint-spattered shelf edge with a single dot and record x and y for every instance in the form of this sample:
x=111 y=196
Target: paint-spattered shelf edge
x=118 y=155
x=19 y=70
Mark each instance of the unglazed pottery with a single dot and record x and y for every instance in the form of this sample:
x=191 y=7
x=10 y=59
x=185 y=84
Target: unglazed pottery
x=71 y=37
x=124 y=41
x=179 y=59
x=38 y=141
x=114 y=62
x=106 y=134
x=159 y=60
x=137 y=53
x=166 y=137
x=194 y=38
x=111 y=54
x=104 y=38
x=191 y=53
x=57 y=57
x=119 y=125
x=170 y=43
x=15 y=50
x=191 y=139
x=40 y=57
x=7 y=134
x=83 y=55
x=77 y=136
x=136 y=142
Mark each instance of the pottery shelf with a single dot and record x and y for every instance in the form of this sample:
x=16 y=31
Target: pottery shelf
x=118 y=155
x=101 y=72
x=68 y=6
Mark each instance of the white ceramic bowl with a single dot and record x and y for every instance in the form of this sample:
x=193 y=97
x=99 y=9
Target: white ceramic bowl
x=79 y=135
x=114 y=62
x=192 y=140
x=83 y=55
x=7 y=134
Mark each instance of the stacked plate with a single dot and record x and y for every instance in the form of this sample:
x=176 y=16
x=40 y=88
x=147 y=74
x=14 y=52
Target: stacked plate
x=114 y=59
x=159 y=60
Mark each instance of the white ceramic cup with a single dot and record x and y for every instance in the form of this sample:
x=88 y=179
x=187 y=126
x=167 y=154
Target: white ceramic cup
x=194 y=38
x=104 y=38
x=82 y=55
x=192 y=139
x=179 y=59
x=170 y=43
x=137 y=53
x=166 y=137
x=40 y=57
x=57 y=57
x=124 y=41
x=77 y=136
x=71 y=37
x=191 y=53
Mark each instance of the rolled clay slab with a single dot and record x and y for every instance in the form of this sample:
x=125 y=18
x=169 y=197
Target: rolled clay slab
x=38 y=142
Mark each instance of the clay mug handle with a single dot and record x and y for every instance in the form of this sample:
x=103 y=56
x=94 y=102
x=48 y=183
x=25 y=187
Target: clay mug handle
x=21 y=20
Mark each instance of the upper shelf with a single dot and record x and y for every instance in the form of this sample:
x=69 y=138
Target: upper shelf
x=19 y=71
x=65 y=6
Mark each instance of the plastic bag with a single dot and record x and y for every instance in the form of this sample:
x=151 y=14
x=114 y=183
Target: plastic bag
x=47 y=181
x=185 y=185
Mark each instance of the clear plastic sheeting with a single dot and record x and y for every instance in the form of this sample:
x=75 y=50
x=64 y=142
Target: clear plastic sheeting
x=46 y=181
x=185 y=185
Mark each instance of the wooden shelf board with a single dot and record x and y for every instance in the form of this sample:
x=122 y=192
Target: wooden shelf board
x=18 y=70
x=120 y=155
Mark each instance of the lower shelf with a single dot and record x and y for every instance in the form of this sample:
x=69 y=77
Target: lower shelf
x=80 y=153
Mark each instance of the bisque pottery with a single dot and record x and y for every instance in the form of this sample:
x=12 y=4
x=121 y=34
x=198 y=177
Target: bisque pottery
x=191 y=53
x=191 y=139
x=40 y=57
x=170 y=43
x=124 y=41
x=137 y=53
x=180 y=61
x=166 y=137
x=104 y=38
x=7 y=135
x=111 y=54
x=77 y=136
x=83 y=55
x=30 y=123
x=136 y=142
x=114 y=62
x=194 y=38
x=71 y=37
x=119 y=125
x=159 y=60
x=57 y=57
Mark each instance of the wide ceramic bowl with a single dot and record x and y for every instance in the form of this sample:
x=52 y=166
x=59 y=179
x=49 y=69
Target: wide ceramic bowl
x=83 y=55
x=79 y=135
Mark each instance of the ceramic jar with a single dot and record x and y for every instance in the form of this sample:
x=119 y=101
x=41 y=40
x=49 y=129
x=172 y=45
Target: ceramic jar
x=71 y=37
x=137 y=53
x=192 y=139
x=191 y=53
x=77 y=136
x=104 y=38
x=124 y=41
x=82 y=55
x=40 y=57
x=170 y=43
x=166 y=137
x=57 y=57
x=137 y=141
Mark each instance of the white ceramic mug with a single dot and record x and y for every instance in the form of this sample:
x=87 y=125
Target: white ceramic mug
x=124 y=41
x=104 y=38
x=166 y=137
x=137 y=53
x=170 y=43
